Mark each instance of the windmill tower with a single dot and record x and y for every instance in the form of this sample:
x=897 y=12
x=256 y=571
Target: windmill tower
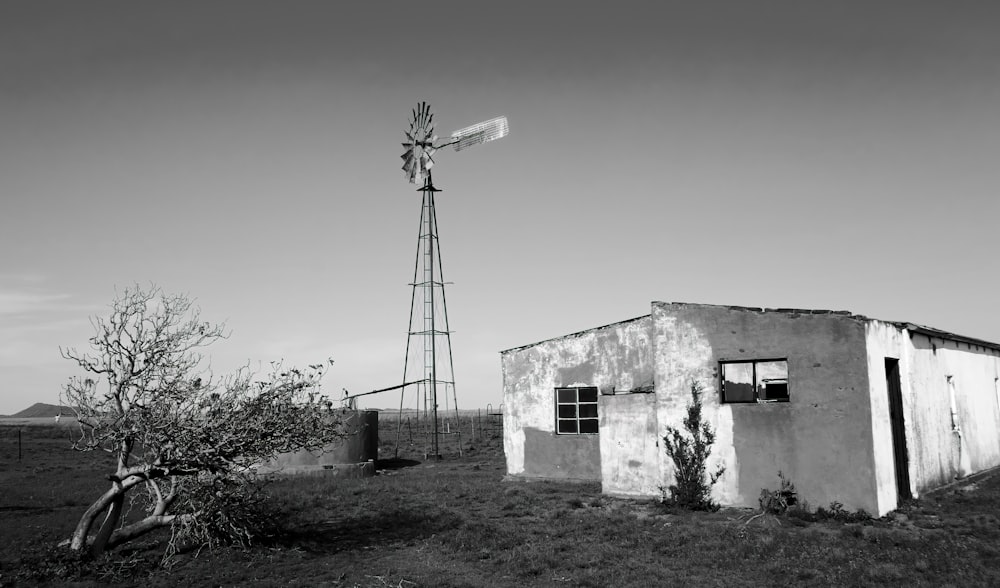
x=428 y=366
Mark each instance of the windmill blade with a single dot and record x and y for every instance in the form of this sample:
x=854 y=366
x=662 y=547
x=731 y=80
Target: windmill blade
x=422 y=111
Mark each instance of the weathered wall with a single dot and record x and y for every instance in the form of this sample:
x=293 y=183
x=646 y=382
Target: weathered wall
x=821 y=439
x=886 y=340
x=629 y=445
x=942 y=449
x=614 y=357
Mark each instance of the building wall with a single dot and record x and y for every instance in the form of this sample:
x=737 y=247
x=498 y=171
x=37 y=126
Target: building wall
x=952 y=409
x=833 y=439
x=886 y=340
x=821 y=439
x=630 y=447
x=614 y=358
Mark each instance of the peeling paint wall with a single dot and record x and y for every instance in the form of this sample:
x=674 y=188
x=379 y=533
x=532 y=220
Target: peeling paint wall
x=612 y=358
x=886 y=340
x=630 y=445
x=950 y=405
x=833 y=438
x=820 y=440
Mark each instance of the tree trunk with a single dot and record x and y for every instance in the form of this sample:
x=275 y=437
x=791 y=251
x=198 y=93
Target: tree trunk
x=110 y=524
x=139 y=528
x=79 y=539
x=117 y=491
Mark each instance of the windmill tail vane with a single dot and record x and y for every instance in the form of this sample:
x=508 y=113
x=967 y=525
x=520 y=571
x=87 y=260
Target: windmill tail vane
x=484 y=132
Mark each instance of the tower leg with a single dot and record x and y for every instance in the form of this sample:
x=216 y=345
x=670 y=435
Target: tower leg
x=428 y=308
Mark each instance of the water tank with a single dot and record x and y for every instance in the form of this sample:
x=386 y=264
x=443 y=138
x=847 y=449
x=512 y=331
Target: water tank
x=352 y=456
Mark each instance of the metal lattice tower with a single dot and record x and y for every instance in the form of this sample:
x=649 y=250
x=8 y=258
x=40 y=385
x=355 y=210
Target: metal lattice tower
x=428 y=343
x=429 y=365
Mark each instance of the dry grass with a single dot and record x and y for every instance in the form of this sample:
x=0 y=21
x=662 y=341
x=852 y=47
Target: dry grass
x=454 y=523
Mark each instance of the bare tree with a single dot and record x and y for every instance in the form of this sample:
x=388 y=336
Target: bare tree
x=184 y=444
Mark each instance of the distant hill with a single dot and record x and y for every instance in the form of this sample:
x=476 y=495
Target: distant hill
x=40 y=409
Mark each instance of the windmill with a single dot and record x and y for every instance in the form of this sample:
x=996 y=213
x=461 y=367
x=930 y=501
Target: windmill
x=429 y=336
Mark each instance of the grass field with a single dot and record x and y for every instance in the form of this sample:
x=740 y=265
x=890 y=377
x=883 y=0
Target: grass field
x=454 y=522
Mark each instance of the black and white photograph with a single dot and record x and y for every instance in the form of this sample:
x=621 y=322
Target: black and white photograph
x=489 y=294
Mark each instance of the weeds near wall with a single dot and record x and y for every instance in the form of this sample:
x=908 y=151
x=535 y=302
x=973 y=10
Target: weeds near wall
x=785 y=501
x=689 y=453
x=780 y=500
x=837 y=512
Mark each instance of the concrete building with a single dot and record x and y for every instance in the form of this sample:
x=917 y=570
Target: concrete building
x=850 y=409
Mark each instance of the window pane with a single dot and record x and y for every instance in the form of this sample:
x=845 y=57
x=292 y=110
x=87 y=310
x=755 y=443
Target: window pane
x=588 y=425
x=588 y=411
x=737 y=382
x=566 y=395
x=567 y=411
x=567 y=426
x=772 y=370
x=772 y=380
x=588 y=394
x=774 y=390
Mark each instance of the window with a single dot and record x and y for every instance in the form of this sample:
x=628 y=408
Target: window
x=576 y=410
x=762 y=380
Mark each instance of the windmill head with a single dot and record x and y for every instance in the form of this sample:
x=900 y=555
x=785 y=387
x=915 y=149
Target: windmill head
x=422 y=142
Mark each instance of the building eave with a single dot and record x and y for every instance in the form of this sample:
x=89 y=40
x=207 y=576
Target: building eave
x=576 y=334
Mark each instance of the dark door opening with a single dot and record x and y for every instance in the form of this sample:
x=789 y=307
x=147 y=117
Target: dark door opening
x=902 y=462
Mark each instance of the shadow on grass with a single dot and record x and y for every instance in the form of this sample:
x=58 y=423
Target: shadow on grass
x=373 y=529
x=395 y=463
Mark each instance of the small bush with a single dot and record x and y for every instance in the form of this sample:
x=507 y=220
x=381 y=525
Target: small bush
x=689 y=453
x=837 y=512
x=780 y=500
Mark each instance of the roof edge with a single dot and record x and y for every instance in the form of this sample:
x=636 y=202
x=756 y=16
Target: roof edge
x=846 y=313
x=576 y=334
x=932 y=332
x=911 y=327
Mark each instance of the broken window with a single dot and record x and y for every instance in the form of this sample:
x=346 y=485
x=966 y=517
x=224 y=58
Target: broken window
x=576 y=410
x=763 y=380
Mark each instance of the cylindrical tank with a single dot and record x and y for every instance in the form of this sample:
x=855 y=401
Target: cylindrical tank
x=353 y=456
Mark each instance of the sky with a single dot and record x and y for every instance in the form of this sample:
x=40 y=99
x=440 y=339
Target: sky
x=806 y=154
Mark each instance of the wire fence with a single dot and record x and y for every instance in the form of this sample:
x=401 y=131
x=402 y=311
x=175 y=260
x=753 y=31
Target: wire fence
x=18 y=437
x=413 y=433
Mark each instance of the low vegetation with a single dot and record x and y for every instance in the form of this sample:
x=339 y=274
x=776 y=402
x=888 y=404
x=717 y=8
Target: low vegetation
x=453 y=523
x=182 y=442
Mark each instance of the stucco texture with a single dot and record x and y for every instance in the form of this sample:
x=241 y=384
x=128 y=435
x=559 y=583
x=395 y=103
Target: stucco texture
x=614 y=357
x=821 y=439
x=833 y=438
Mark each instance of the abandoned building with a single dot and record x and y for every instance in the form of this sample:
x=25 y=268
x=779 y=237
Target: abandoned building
x=850 y=409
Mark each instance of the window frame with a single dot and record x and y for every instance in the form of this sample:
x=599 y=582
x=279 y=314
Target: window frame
x=756 y=385
x=576 y=404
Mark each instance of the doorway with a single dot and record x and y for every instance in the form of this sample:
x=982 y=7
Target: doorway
x=896 y=420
